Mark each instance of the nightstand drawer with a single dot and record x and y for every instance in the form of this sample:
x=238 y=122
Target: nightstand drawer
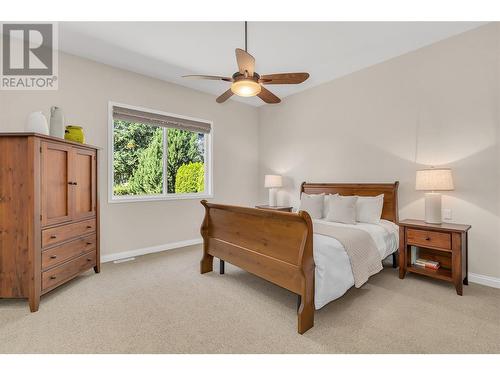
x=428 y=238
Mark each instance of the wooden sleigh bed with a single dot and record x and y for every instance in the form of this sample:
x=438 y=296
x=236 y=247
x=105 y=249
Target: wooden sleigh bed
x=278 y=246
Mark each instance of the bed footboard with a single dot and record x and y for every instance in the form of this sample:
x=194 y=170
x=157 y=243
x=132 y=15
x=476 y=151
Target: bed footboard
x=276 y=246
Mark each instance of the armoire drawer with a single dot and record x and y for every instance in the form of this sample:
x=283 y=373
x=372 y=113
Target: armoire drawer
x=60 y=274
x=60 y=254
x=66 y=232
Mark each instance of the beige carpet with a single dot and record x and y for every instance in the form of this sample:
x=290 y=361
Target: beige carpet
x=161 y=304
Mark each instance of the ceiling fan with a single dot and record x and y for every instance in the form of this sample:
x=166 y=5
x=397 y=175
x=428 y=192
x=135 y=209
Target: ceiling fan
x=247 y=82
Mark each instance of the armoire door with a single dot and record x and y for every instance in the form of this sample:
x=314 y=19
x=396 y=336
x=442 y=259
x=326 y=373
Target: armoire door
x=55 y=183
x=83 y=172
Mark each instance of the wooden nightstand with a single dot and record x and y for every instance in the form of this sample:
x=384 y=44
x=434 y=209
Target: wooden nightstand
x=445 y=243
x=274 y=208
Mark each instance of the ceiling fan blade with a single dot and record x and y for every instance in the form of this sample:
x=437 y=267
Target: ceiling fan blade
x=268 y=96
x=215 y=78
x=224 y=97
x=245 y=62
x=283 y=78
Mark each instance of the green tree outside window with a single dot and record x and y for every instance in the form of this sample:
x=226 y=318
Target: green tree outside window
x=138 y=160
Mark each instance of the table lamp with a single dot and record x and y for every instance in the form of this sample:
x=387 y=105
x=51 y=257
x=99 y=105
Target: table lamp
x=432 y=180
x=273 y=182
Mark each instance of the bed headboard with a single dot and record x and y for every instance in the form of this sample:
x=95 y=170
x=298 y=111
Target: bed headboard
x=390 y=191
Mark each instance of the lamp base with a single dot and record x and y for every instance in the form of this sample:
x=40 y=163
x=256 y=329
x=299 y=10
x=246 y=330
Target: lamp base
x=273 y=192
x=433 y=208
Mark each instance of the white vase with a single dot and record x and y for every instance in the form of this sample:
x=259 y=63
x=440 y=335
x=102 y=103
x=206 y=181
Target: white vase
x=56 y=122
x=36 y=123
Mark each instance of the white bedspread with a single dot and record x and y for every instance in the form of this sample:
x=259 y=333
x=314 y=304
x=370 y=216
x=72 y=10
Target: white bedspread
x=333 y=276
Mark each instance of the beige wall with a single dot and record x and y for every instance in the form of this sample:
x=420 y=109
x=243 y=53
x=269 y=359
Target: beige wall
x=85 y=87
x=434 y=106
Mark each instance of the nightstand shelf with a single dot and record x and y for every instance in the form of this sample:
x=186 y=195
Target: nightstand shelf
x=440 y=273
x=444 y=243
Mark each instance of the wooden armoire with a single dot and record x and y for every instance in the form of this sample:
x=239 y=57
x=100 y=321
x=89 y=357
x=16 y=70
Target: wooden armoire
x=49 y=214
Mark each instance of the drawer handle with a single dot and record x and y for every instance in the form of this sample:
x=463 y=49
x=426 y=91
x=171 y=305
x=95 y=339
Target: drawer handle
x=427 y=238
x=53 y=236
x=53 y=257
x=53 y=277
x=89 y=243
x=89 y=226
x=89 y=259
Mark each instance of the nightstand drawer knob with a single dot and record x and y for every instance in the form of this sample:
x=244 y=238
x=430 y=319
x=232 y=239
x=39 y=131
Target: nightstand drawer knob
x=427 y=238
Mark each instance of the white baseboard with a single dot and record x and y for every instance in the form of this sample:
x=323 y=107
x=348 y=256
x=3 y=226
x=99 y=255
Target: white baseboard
x=484 y=280
x=149 y=250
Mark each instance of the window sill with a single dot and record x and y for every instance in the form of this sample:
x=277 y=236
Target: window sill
x=159 y=198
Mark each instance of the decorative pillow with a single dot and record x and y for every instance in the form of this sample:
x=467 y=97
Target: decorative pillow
x=312 y=204
x=342 y=209
x=369 y=209
x=326 y=205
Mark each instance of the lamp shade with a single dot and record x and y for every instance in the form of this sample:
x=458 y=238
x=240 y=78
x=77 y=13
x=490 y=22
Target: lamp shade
x=434 y=179
x=273 y=181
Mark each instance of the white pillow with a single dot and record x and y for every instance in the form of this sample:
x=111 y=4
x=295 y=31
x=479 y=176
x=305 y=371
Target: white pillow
x=342 y=209
x=369 y=209
x=312 y=204
x=326 y=205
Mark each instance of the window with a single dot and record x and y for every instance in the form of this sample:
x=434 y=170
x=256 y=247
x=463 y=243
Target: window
x=156 y=155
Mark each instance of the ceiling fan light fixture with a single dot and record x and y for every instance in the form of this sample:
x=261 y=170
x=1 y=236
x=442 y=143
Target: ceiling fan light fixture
x=246 y=87
x=246 y=82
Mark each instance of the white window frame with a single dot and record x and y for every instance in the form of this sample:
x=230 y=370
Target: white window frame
x=208 y=161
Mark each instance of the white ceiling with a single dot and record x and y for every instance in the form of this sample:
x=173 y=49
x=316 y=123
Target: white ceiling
x=327 y=50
